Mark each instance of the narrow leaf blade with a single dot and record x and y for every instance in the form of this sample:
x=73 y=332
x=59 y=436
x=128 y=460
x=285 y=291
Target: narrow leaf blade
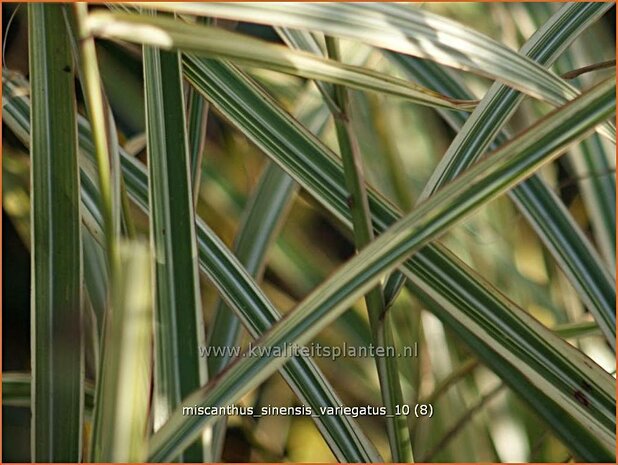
x=57 y=340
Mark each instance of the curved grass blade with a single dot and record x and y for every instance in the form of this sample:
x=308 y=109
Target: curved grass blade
x=454 y=301
x=404 y=29
x=316 y=169
x=543 y=209
x=263 y=216
x=500 y=102
x=380 y=323
x=179 y=326
x=168 y=33
x=257 y=313
x=590 y=162
x=478 y=185
x=263 y=213
x=490 y=314
x=57 y=339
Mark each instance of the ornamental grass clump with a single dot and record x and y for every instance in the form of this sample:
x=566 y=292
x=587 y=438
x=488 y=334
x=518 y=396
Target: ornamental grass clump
x=405 y=210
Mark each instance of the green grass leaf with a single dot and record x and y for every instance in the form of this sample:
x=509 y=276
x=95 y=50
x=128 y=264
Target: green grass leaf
x=510 y=164
x=171 y=34
x=546 y=213
x=315 y=168
x=278 y=110
x=591 y=163
x=236 y=287
x=17 y=390
x=57 y=340
x=404 y=29
x=262 y=219
x=380 y=324
x=262 y=215
x=179 y=326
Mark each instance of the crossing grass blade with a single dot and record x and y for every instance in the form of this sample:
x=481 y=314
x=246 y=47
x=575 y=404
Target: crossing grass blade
x=219 y=43
x=315 y=168
x=546 y=213
x=380 y=324
x=544 y=348
x=500 y=102
x=263 y=214
x=590 y=162
x=455 y=301
x=57 y=339
x=488 y=303
x=256 y=312
x=509 y=165
x=405 y=29
x=263 y=217
x=179 y=326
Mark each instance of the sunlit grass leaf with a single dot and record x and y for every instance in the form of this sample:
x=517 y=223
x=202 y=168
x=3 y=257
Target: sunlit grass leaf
x=552 y=270
x=312 y=165
x=482 y=130
x=219 y=43
x=256 y=312
x=482 y=182
x=406 y=29
x=125 y=390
